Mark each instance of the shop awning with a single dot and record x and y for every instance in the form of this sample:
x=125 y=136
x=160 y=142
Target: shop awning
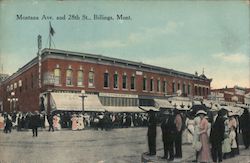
x=182 y=105
x=147 y=108
x=123 y=109
x=73 y=102
x=195 y=102
x=161 y=103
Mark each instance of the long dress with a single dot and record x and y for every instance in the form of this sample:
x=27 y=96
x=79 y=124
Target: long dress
x=74 y=123
x=196 y=130
x=190 y=129
x=1 y=122
x=204 y=153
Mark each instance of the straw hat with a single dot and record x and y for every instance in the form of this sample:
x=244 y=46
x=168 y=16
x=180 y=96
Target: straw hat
x=230 y=114
x=201 y=112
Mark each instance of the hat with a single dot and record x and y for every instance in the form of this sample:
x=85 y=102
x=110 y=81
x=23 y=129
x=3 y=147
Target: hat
x=230 y=114
x=201 y=112
x=166 y=112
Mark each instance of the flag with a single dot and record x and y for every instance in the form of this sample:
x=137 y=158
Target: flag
x=51 y=31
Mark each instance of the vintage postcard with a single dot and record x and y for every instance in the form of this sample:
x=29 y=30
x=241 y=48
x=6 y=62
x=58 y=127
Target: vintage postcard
x=124 y=81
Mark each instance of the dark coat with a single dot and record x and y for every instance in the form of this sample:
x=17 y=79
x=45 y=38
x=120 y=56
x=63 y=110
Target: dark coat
x=245 y=121
x=35 y=121
x=217 y=131
x=152 y=125
x=168 y=128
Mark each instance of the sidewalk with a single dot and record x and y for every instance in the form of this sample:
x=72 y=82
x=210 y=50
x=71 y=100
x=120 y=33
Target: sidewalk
x=188 y=154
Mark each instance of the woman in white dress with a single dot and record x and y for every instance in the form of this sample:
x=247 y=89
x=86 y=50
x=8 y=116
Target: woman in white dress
x=197 y=120
x=226 y=146
x=80 y=122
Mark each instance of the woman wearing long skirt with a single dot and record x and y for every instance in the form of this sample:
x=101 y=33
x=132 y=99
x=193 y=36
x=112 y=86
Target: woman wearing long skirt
x=204 y=154
x=74 y=120
x=197 y=120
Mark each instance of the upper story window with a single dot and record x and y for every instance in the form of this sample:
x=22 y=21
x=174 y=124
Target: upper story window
x=106 y=80
x=178 y=86
x=124 y=81
x=57 y=76
x=132 y=84
x=189 y=89
x=158 y=85
x=164 y=86
x=195 y=90
x=69 y=77
x=116 y=81
x=80 y=78
x=144 y=84
x=91 y=79
x=151 y=84
x=184 y=88
x=173 y=87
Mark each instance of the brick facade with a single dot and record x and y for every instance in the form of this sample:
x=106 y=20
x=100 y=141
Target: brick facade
x=28 y=91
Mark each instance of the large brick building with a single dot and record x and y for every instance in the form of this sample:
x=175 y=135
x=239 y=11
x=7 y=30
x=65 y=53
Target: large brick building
x=234 y=95
x=56 y=78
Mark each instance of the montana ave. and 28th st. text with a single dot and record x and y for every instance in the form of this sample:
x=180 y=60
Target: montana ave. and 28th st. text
x=70 y=17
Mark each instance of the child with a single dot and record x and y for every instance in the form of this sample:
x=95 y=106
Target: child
x=232 y=137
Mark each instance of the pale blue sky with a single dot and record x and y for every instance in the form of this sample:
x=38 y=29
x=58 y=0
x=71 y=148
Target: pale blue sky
x=182 y=35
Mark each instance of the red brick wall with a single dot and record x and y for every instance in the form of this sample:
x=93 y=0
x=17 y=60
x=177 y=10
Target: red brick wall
x=28 y=97
x=100 y=69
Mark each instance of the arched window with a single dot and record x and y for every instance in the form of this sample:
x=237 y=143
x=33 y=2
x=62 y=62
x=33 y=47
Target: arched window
x=80 y=78
x=57 y=76
x=69 y=77
x=91 y=79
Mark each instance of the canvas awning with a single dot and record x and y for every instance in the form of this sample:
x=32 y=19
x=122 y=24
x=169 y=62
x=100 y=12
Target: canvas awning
x=147 y=108
x=73 y=102
x=195 y=102
x=161 y=103
x=123 y=109
x=182 y=105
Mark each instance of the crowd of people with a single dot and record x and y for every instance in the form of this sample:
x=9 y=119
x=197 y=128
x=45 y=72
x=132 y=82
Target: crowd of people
x=213 y=138
x=70 y=120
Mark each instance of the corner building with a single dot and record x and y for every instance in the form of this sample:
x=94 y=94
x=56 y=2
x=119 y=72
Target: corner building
x=54 y=81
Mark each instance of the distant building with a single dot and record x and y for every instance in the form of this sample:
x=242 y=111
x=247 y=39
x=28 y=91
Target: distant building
x=234 y=95
x=109 y=83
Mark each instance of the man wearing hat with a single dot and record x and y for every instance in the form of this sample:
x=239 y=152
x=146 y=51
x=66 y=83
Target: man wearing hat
x=178 y=137
x=152 y=133
x=216 y=137
x=35 y=122
x=168 y=133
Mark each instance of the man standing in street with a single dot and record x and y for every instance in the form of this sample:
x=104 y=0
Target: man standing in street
x=178 y=138
x=168 y=133
x=35 y=122
x=152 y=133
x=50 y=121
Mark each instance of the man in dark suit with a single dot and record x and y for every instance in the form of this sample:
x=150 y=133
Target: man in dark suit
x=50 y=121
x=152 y=133
x=217 y=137
x=35 y=122
x=168 y=128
